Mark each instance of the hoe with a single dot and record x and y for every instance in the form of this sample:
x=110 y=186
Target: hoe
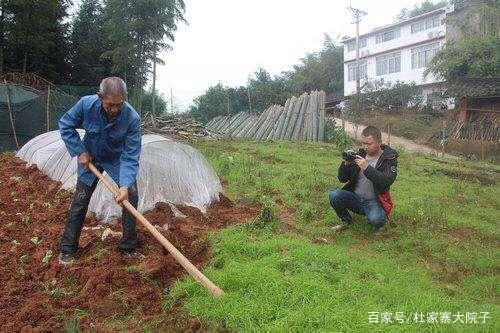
x=188 y=266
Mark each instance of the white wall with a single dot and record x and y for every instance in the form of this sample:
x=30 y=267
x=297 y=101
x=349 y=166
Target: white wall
x=407 y=38
x=407 y=74
x=404 y=44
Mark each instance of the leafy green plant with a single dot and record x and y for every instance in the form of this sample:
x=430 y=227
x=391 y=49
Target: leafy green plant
x=23 y=259
x=72 y=325
x=79 y=313
x=35 y=240
x=307 y=212
x=100 y=252
x=334 y=133
x=47 y=257
x=267 y=219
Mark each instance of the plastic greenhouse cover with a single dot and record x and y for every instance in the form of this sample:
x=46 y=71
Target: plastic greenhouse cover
x=169 y=171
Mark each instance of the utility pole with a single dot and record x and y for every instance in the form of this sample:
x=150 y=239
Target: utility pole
x=171 y=101
x=357 y=14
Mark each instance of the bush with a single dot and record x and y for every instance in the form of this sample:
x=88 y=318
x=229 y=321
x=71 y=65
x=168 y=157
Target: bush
x=334 y=133
x=379 y=94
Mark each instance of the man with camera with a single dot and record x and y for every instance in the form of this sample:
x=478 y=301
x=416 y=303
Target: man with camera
x=369 y=175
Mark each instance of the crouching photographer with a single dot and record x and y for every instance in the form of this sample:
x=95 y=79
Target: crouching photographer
x=369 y=173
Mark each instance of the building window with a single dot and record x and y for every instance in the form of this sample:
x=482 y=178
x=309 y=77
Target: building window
x=351 y=46
x=428 y=23
x=388 y=35
x=351 y=73
x=389 y=63
x=422 y=55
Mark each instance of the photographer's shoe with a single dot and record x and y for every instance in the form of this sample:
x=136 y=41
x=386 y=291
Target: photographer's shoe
x=342 y=226
x=378 y=230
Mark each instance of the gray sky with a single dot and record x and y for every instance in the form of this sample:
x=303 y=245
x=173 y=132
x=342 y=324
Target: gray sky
x=227 y=40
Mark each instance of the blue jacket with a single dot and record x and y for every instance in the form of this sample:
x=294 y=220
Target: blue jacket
x=114 y=146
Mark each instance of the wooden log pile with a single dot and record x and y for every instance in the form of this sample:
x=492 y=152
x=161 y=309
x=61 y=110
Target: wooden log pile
x=301 y=119
x=177 y=127
x=482 y=128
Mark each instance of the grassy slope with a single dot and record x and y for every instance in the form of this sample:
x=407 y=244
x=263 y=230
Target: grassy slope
x=437 y=255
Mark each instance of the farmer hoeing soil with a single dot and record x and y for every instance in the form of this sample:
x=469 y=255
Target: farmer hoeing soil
x=112 y=142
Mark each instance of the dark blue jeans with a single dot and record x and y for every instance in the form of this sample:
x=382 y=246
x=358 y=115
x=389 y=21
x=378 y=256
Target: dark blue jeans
x=344 y=201
x=78 y=210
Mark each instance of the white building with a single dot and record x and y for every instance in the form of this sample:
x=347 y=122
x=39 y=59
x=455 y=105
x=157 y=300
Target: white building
x=399 y=51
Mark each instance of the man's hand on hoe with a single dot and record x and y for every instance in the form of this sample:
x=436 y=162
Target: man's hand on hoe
x=84 y=159
x=123 y=195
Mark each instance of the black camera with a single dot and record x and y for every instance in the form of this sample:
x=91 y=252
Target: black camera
x=350 y=155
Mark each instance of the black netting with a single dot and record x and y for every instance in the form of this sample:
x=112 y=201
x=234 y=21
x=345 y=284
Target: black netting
x=26 y=112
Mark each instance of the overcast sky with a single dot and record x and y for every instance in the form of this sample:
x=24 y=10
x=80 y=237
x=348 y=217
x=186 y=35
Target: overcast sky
x=227 y=40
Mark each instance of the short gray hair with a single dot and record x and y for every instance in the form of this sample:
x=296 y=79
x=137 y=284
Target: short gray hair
x=113 y=86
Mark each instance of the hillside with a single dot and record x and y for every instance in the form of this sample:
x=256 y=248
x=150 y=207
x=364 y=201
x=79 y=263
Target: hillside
x=270 y=248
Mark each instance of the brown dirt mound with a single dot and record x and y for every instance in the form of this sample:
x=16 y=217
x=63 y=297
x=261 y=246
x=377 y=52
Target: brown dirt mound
x=103 y=286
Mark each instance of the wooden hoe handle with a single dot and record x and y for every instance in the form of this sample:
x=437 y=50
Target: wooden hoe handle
x=188 y=266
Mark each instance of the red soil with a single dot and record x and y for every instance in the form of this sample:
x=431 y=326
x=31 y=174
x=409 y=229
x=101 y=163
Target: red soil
x=102 y=283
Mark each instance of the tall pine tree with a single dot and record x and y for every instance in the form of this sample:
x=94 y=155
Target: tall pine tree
x=145 y=27
x=36 y=37
x=88 y=65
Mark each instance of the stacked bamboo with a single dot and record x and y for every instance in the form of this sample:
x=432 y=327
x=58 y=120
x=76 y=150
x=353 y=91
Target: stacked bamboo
x=476 y=131
x=177 y=127
x=301 y=119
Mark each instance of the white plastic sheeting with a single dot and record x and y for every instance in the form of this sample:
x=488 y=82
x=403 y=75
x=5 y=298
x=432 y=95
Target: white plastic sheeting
x=169 y=171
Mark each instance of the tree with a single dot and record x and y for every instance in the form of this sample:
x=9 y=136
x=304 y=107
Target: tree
x=319 y=71
x=3 y=35
x=476 y=51
x=144 y=25
x=480 y=18
x=88 y=45
x=160 y=103
x=36 y=37
x=264 y=91
x=211 y=104
x=387 y=95
x=467 y=57
x=422 y=8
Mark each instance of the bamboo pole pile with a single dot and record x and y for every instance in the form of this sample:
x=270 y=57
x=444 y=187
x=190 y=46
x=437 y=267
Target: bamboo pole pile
x=177 y=127
x=483 y=128
x=301 y=119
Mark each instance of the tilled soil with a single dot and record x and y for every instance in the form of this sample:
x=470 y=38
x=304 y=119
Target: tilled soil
x=103 y=286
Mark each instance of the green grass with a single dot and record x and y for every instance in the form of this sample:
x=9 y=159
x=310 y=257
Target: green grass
x=438 y=254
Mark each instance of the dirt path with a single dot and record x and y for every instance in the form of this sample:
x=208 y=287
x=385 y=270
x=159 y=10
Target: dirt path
x=394 y=141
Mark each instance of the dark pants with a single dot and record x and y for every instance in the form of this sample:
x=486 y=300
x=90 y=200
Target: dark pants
x=78 y=211
x=343 y=201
